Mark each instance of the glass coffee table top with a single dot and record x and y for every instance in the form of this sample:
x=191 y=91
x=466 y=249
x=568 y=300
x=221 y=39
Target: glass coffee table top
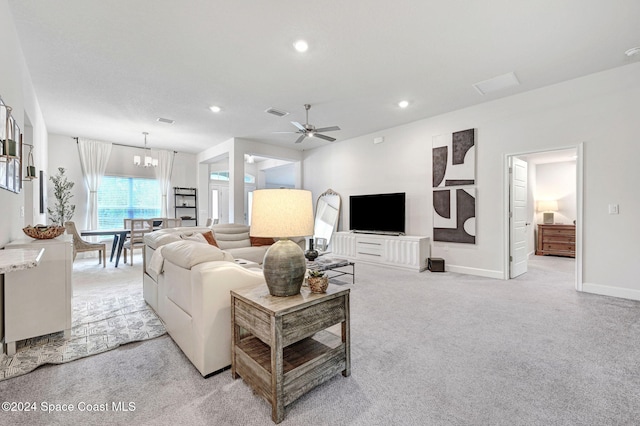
x=339 y=267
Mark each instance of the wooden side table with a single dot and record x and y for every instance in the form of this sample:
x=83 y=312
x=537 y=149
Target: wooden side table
x=559 y=240
x=280 y=346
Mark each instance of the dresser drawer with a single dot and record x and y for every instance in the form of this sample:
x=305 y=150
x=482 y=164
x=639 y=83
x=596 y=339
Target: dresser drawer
x=559 y=238
x=567 y=233
x=558 y=247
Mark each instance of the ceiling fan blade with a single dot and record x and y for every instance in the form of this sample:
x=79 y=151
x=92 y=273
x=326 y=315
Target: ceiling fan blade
x=328 y=129
x=326 y=138
x=285 y=132
x=301 y=138
x=299 y=126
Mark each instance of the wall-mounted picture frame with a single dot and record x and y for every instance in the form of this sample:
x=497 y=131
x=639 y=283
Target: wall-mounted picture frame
x=11 y=172
x=43 y=192
x=3 y=126
x=3 y=174
x=10 y=153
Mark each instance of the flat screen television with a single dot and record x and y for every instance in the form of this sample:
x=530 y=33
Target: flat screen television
x=377 y=213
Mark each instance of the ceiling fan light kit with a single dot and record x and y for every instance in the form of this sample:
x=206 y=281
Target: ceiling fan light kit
x=310 y=131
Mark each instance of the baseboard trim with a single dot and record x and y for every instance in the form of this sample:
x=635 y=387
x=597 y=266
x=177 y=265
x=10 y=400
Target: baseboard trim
x=487 y=273
x=605 y=290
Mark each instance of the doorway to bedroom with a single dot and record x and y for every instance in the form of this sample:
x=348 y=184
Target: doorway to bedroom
x=544 y=209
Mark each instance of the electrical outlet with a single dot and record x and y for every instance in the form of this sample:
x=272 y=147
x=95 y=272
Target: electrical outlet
x=21 y=211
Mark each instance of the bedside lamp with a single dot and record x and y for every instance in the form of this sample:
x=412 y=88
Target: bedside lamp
x=282 y=213
x=547 y=207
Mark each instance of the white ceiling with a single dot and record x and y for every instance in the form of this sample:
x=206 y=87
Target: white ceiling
x=107 y=70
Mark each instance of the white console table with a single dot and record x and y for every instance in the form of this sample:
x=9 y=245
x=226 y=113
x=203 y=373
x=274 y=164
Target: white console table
x=37 y=300
x=405 y=251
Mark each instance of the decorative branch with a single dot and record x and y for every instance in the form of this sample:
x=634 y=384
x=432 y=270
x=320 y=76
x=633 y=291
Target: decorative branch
x=63 y=210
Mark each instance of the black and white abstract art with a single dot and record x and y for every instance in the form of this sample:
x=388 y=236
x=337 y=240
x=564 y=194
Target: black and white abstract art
x=454 y=159
x=454 y=218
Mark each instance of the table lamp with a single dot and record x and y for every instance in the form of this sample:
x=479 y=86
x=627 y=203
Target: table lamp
x=547 y=207
x=282 y=213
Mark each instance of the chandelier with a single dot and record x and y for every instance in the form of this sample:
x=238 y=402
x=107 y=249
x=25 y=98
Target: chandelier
x=148 y=160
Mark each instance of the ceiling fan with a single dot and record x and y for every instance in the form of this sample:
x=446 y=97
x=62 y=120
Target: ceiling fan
x=309 y=131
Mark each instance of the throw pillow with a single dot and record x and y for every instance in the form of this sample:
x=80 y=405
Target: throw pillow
x=260 y=241
x=194 y=237
x=210 y=238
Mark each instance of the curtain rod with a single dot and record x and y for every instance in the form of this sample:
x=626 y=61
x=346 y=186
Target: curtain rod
x=121 y=144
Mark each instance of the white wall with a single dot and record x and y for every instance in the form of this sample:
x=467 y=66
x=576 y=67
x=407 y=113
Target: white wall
x=600 y=110
x=17 y=91
x=557 y=181
x=234 y=151
x=63 y=152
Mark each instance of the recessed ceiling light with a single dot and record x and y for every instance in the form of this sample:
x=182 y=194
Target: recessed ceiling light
x=301 y=46
x=403 y=104
x=214 y=108
x=633 y=51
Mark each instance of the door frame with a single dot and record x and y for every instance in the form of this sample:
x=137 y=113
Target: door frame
x=579 y=207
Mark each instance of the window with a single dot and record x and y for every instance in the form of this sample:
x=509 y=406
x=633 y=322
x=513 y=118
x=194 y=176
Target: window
x=224 y=176
x=122 y=198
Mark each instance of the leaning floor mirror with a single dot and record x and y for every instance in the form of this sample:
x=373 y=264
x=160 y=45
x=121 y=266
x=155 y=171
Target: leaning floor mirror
x=326 y=220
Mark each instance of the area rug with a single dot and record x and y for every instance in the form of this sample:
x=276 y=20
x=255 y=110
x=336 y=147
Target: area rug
x=98 y=326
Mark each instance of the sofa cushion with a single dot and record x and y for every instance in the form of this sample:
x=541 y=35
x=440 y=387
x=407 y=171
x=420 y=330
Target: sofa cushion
x=187 y=254
x=196 y=236
x=155 y=240
x=253 y=254
x=231 y=235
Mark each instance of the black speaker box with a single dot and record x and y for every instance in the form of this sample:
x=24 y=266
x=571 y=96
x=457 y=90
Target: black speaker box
x=435 y=264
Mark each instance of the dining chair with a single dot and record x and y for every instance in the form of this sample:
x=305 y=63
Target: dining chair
x=165 y=222
x=137 y=228
x=171 y=222
x=80 y=245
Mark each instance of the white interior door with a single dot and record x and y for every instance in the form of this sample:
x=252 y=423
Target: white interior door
x=517 y=218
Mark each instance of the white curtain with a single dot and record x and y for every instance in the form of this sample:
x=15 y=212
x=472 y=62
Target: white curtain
x=163 y=174
x=94 y=156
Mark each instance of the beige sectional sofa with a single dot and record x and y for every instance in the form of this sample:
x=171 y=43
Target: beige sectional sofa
x=193 y=284
x=232 y=238
x=187 y=282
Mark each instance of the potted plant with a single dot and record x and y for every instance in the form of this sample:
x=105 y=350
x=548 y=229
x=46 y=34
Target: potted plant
x=318 y=281
x=63 y=209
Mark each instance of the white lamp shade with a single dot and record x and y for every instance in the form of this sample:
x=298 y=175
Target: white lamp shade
x=282 y=213
x=136 y=160
x=547 y=206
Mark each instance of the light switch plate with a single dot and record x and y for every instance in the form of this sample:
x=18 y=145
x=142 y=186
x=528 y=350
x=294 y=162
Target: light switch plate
x=613 y=209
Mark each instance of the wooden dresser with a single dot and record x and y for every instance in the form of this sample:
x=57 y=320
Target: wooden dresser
x=559 y=240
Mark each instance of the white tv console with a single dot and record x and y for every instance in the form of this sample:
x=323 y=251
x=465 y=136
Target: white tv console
x=405 y=251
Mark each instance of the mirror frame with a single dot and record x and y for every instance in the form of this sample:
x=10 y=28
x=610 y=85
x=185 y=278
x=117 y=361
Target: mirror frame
x=328 y=193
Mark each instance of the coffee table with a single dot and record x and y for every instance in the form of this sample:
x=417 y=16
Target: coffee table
x=280 y=346
x=336 y=266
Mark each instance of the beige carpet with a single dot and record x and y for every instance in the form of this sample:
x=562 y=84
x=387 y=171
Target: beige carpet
x=105 y=315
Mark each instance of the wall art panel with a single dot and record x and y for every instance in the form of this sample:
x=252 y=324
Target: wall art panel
x=455 y=215
x=454 y=159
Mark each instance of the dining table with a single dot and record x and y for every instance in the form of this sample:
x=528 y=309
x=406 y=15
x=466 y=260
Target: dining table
x=119 y=237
